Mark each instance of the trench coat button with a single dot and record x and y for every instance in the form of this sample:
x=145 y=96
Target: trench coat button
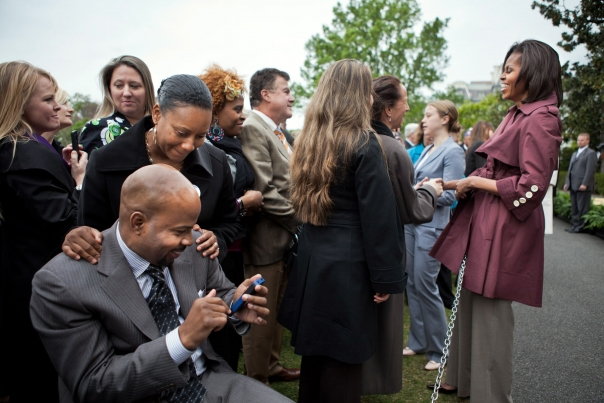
x=529 y=195
x=522 y=200
x=534 y=188
x=516 y=203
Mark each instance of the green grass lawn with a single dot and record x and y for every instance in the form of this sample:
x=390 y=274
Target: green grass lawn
x=415 y=378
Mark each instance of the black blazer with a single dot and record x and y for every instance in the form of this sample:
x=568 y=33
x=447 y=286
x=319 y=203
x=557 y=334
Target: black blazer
x=38 y=204
x=473 y=160
x=206 y=167
x=328 y=304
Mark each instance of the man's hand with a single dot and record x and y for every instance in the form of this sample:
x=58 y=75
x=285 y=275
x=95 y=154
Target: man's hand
x=582 y=188
x=565 y=187
x=378 y=298
x=207 y=242
x=254 y=310
x=83 y=242
x=207 y=315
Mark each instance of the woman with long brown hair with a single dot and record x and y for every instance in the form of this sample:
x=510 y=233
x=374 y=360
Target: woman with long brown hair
x=128 y=96
x=350 y=255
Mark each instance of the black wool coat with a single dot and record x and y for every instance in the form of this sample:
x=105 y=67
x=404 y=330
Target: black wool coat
x=206 y=167
x=328 y=304
x=39 y=206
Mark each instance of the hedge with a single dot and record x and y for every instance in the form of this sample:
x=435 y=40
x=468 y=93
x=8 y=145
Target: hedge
x=599 y=188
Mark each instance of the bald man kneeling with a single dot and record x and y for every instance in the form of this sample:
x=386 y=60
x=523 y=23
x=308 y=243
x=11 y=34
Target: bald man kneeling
x=135 y=326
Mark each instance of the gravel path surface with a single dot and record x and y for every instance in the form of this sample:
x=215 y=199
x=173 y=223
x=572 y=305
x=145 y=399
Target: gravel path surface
x=558 y=349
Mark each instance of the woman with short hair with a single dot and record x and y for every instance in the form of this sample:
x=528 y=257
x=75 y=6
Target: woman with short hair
x=481 y=132
x=227 y=90
x=38 y=206
x=173 y=134
x=498 y=225
x=350 y=254
x=423 y=141
x=128 y=95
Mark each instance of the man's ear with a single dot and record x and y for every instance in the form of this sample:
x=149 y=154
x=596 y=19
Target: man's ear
x=137 y=222
x=265 y=95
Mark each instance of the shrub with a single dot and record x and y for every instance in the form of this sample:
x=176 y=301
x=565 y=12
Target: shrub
x=561 y=180
x=598 y=189
x=562 y=205
x=599 y=184
x=594 y=219
x=565 y=156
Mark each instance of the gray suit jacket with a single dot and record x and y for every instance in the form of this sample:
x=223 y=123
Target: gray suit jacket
x=270 y=236
x=448 y=162
x=581 y=170
x=99 y=332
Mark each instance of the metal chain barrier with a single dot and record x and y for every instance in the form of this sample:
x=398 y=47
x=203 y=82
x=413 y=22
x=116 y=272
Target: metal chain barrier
x=443 y=359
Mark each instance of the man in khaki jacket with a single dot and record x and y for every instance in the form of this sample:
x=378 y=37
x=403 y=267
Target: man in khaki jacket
x=268 y=152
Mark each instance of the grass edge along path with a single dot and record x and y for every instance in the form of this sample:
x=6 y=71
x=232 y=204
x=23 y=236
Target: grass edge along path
x=415 y=378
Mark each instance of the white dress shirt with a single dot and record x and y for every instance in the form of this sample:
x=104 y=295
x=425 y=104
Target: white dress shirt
x=580 y=150
x=177 y=351
x=268 y=120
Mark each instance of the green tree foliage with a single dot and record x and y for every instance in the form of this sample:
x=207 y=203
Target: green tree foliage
x=418 y=104
x=384 y=34
x=583 y=83
x=491 y=108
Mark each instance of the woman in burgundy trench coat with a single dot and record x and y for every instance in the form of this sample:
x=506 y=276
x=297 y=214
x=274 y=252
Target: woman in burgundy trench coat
x=499 y=225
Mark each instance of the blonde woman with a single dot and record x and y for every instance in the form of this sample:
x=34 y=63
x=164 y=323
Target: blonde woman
x=38 y=204
x=350 y=256
x=442 y=159
x=128 y=96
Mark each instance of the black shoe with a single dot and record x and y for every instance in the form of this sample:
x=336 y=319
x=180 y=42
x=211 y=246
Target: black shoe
x=442 y=390
x=571 y=230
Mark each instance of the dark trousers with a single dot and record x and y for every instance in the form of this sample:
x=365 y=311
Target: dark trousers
x=30 y=375
x=325 y=380
x=579 y=207
x=227 y=342
x=445 y=286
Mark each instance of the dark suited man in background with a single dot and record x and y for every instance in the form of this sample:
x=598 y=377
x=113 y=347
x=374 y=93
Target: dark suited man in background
x=580 y=182
x=268 y=152
x=135 y=326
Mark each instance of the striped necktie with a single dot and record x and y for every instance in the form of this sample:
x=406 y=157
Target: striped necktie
x=281 y=136
x=163 y=308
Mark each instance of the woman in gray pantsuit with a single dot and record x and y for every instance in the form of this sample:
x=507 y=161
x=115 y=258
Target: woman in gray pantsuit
x=444 y=159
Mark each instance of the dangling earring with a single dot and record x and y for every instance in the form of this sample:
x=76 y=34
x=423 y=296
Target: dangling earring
x=155 y=135
x=215 y=133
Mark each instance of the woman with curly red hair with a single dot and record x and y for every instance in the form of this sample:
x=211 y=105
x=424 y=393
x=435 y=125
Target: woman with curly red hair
x=227 y=90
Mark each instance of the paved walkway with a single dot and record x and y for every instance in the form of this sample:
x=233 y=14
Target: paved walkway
x=559 y=349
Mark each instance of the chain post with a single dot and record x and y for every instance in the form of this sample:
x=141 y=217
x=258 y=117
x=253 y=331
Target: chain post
x=445 y=356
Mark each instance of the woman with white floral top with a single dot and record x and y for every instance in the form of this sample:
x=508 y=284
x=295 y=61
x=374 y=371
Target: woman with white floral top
x=128 y=95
